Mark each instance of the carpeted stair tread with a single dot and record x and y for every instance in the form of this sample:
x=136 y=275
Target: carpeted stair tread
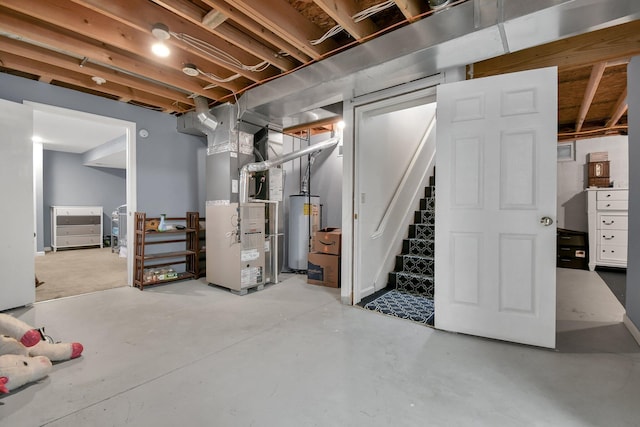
x=418 y=247
x=411 y=264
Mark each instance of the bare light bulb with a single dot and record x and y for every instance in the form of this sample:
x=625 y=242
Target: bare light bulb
x=341 y=124
x=160 y=49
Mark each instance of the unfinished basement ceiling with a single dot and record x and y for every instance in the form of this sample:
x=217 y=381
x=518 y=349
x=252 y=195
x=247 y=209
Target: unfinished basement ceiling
x=230 y=46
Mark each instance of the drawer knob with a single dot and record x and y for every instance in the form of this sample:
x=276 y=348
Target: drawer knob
x=608 y=204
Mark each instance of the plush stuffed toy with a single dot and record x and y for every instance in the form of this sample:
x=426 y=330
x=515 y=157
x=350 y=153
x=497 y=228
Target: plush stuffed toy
x=25 y=354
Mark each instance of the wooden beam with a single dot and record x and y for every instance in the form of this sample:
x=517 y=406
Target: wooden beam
x=284 y=20
x=227 y=32
x=45 y=78
x=142 y=15
x=100 y=54
x=103 y=29
x=257 y=29
x=409 y=8
x=342 y=11
x=619 y=109
x=306 y=126
x=594 y=81
x=76 y=79
x=60 y=60
x=579 y=51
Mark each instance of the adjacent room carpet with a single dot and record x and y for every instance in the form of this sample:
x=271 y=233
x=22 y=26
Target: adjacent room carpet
x=404 y=305
x=79 y=271
x=616 y=280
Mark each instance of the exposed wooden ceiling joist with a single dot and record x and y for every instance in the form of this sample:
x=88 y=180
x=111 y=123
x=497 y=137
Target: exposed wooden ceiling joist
x=101 y=54
x=258 y=29
x=410 y=8
x=342 y=11
x=77 y=79
x=229 y=33
x=282 y=19
x=594 y=81
x=149 y=14
x=580 y=51
x=46 y=56
x=619 y=109
x=97 y=26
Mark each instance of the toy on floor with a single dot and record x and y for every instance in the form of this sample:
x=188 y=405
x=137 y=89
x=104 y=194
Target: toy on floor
x=25 y=354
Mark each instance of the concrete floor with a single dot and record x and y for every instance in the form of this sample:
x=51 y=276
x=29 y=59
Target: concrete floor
x=292 y=355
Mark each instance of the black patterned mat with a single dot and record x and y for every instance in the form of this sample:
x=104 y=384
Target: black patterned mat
x=405 y=306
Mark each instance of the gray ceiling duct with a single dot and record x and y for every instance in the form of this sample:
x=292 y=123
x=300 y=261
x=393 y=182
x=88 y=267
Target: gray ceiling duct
x=271 y=163
x=207 y=120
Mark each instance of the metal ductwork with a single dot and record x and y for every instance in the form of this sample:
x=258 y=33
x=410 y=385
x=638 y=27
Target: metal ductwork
x=455 y=36
x=271 y=163
x=208 y=121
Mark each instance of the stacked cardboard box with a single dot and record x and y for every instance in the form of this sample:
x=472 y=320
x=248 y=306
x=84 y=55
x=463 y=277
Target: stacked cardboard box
x=324 y=261
x=599 y=169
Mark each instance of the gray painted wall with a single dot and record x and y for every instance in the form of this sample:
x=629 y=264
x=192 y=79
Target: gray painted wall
x=633 y=270
x=67 y=182
x=165 y=162
x=572 y=178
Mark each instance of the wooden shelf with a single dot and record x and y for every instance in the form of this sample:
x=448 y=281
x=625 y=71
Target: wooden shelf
x=190 y=256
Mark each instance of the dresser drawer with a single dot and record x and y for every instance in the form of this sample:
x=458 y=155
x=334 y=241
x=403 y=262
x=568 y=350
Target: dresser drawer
x=613 y=237
x=75 y=230
x=77 y=240
x=572 y=240
x=77 y=220
x=612 y=253
x=613 y=222
x=571 y=252
x=78 y=211
x=613 y=195
x=612 y=205
x=578 y=263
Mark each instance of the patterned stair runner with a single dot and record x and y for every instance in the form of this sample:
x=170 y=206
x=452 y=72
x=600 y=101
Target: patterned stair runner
x=411 y=283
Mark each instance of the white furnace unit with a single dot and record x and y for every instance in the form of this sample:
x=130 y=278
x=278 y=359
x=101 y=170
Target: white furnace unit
x=235 y=246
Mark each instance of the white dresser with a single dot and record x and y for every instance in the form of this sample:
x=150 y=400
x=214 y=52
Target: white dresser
x=76 y=226
x=607 y=210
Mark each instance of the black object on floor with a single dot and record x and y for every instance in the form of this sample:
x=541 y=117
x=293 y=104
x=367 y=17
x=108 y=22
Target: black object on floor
x=616 y=280
x=404 y=305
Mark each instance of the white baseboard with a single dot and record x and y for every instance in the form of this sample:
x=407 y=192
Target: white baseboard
x=632 y=328
x=40 y=253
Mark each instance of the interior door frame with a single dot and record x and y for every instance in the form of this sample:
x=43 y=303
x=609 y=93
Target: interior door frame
x=351 y=288
x=131 y=172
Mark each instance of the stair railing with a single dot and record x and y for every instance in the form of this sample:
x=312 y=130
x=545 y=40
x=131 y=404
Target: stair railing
x=416 y=167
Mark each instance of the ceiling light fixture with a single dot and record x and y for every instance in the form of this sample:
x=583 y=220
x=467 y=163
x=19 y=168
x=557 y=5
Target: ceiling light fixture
x=190 y=70
x=161 y=33
x=98 y=80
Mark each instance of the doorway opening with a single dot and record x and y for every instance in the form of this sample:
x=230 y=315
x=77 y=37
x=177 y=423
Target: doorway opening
x=82 y=162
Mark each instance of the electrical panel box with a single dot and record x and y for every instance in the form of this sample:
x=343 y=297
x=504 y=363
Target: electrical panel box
x=235 y=245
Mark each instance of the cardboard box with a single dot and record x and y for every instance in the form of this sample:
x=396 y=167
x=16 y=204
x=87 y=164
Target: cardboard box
x=328 y=241
x=601 y=156
x=323 y=270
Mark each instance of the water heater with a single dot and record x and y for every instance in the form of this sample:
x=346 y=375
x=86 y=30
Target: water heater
x=304 y=217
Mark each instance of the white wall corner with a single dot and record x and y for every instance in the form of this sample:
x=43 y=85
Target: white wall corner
x=632 y=328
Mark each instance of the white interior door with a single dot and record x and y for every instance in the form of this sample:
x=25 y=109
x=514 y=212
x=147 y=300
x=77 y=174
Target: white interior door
x=496 y=193
x=16 y=210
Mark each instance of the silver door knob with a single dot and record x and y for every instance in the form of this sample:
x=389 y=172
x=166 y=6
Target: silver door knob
x=546 y=221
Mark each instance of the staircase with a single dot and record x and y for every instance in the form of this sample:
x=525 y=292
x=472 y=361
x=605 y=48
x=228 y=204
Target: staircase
x=410 y=288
